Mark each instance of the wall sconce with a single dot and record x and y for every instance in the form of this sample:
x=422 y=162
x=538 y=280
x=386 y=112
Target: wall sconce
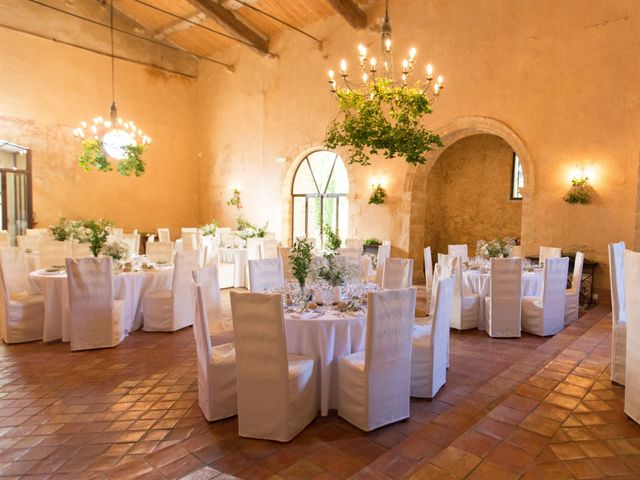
x=235 y=201
x=580 y=191
x=378 y=193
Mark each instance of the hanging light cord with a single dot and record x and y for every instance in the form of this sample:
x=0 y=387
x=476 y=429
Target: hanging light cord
x=113 y=63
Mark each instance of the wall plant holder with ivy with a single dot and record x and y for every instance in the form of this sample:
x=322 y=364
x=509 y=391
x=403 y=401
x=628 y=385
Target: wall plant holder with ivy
x=580 y=191
x=235 y=201
x=378 y=195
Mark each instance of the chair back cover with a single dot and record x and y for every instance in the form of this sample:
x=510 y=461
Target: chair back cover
x=261 y=357
x=506 y=298
x=440 y=271
x=269 y=248
x=186 y=231
x=452 y=265
x=220 y=232
x=461 y=250
x=349 y=252
x=428 y=268
x=160 y=252
x=618 y=313
x=116 y=232
x=517 y=251
x=254 y=247
x=398 y=273
x=266 y=274
x=182 y=288
x=5 y=241
x=132 y=240
x=189 y=241
x=207 y=279
x=201 y=330
x=387 y=363
x=549 y=252
x=576 y=277
x=632 y=301
x=79 y=250
x=554 y=282
x=28 y=242
x=440 y=331
x=164 y=235
x=52 y=252
x=90 y=302
x=13 y=268
x=354 y=243
x=40 y=232
x=384 y=252
x=283 y=253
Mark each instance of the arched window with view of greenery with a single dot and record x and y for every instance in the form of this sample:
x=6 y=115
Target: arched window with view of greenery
x=319 y=195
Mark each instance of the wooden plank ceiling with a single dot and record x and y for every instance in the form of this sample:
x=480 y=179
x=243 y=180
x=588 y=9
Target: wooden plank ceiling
x=233 y=19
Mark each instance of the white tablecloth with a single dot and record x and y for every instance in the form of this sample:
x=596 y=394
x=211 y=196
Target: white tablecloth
x=327 y=337
x=237 y=256
x=477 y=282
x=130 y=287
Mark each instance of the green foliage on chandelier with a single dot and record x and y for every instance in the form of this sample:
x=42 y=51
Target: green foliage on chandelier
x=94 y=156
x=387 y=121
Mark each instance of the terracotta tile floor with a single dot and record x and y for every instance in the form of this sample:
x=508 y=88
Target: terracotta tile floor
x=527 y=408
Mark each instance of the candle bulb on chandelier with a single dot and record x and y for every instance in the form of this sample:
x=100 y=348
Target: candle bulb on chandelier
x=436 y=89
x=331 y=74
x=412 y=54
x=429 y=71
x=440 y=81
x=405 y=66
x=387 y=45
x=343 y=68
x=373 y=62
x=365 y=78
x=362 y=51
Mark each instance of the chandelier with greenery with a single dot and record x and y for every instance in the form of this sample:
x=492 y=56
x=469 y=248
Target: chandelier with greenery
x=115 y=138
x=381 y=113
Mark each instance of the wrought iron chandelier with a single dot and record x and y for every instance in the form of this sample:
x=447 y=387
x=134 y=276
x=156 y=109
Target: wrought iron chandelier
x=113 y=138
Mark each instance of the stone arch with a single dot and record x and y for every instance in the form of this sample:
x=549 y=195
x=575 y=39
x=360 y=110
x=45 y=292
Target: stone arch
x=287 y=183
x=416 y=179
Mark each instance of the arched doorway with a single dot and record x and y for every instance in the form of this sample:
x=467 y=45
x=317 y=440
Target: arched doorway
x=413 y=238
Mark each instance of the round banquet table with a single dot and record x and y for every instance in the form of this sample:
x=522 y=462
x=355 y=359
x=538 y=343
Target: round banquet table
x=327 y=336
x=474 y=281
x=130 y=287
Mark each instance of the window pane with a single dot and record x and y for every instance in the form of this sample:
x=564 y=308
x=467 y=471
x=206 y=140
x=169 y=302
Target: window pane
x=321 y=164
x=303 y=182
x=314 y=218
x=518 y=178
x=330 y=213
x=343 y=217
x=299 y=216
x=339 y=182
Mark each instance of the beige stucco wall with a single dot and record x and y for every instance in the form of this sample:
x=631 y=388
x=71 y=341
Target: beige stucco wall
x=559 y=75
x=46 y=89
x=468 y=194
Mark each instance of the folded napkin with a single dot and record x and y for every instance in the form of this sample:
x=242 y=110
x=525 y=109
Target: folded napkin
x=305 y=315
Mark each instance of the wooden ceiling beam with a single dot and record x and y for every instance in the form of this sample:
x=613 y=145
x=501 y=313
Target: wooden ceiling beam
x=179 y=26
x=351 y=12
x=223 y=16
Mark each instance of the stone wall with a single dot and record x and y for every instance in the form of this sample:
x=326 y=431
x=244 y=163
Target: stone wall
x=468 y=194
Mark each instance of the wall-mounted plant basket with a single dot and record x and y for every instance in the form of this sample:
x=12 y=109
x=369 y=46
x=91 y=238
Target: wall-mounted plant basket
x=377 y=196
x=580 y=191
x=235 y=201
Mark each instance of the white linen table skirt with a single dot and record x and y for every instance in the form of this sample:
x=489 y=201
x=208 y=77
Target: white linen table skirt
x=130 y=287
x=479 y=283
x=237 y=256
x=327 y=337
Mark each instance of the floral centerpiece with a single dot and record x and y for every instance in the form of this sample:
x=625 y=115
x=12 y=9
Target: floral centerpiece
x=93 y=232
x=300 y=261
x=498 y=248
x=248 y=230
x=116 y=250
x=209 y=230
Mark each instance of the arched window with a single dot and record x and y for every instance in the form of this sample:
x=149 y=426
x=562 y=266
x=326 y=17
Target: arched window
x=319 y=195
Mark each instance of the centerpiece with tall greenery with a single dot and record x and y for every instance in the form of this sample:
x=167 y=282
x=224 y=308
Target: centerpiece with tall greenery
x=209 y=230
x=497 y=248
x=249 y=230
x=332 y=240
x=300 y=260
x=93 y=232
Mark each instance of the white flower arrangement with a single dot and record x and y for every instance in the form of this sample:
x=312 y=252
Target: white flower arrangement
x=116 y=250
x=497 y=248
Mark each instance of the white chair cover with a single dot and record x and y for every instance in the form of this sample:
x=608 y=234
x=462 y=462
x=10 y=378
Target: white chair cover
x=349 y=252
x=219 y=324
x=277 y=393
x=171 y=310
x=22 y=318
x=95 y=318
x=632 y=304
x=618 y=313
x=269 y=248
x=160 y=252
x=254 y=247
x=572 y=295
x=517 y=251
x=39 y=232
x=430 y=345
x=354 y=243
x=226 y=270
x=266 y=274
x=189 y=241
x=545 y=315
x=283 y=253
x=428 y=275
x=80 y=250
x=465 y=313
x=549 y=252
x=216 y=368
x=374 y=386
x=384 y=252
x=132 y=241
x=116 y=232
x=398 y=273
x=503 y=306
x=164 y=235
x=461 y=250
x=187 y=231
x=52 y=252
